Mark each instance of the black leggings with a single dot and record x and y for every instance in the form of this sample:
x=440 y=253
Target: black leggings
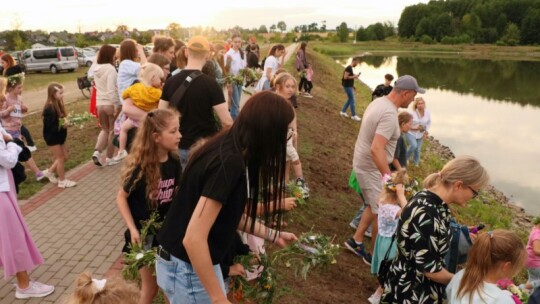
x=302 y=84
x=308 y=85
x=26 y=134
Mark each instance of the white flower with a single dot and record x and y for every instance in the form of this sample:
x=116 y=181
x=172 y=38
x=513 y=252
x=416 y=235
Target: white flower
x=139 y=256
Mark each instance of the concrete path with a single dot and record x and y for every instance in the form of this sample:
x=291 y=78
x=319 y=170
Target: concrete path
x=77 y=229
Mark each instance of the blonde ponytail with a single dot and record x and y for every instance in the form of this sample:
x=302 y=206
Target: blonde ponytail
x=464 y=168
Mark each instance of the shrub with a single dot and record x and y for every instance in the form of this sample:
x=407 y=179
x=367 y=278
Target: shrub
x=426 y=39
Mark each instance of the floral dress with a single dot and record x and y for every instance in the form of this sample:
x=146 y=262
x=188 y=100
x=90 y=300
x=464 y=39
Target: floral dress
x=423 y=238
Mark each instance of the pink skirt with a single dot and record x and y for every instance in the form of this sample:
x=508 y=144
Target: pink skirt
x=17 y=249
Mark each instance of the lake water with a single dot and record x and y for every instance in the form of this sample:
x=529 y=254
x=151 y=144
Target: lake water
x=486 y=108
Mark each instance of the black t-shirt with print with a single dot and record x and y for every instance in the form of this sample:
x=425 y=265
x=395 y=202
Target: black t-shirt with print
x=218 y=175
x=195 y=107
x=348 y=82
x=137 y=200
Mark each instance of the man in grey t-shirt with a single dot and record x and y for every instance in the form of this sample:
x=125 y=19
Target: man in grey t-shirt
x=374 y=150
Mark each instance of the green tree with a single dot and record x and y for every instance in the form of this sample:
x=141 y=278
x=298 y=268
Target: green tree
x=511 y=35
x=529 y=28
x=175 y=30
x=471 y=24
x=122 y=28
x=282 y=26
x=273 y=28
x=80 y=41
x=343 y=32
x=263 y=29
x=323 y=26
x=378 y=30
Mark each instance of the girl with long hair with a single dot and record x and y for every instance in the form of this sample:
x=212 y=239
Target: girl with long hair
x=419 y=130
x=274 y=61
x=150 y=177
x=55 y=134
x=301 y=64
x=105 y=291
x=235 y=61
x=423 y=233
x=221 y=188
x=494 y=256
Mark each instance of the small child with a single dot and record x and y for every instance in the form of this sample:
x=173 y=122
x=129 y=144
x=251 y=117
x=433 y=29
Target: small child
x=285 y=86
x=145 y=95
x=11 y=114
x=405 y=120
x=150 y=177
x=112 y=291
x=494 y=255
x=533 y=252
x=308 y=85
x=391 y=203
x=18 y=252
x=55 y=134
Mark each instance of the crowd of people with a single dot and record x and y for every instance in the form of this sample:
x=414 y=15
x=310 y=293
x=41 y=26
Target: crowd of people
x=194 y=155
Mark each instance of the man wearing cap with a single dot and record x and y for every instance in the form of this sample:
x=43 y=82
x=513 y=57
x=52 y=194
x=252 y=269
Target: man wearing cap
x=201 y=99
x=374 y=150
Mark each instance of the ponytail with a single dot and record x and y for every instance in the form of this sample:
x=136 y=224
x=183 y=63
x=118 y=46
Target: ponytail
x=464 y=168
x=488 y=252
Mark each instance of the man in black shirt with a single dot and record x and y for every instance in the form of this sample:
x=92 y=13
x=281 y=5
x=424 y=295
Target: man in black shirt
x=384 y=88
x=201 y=99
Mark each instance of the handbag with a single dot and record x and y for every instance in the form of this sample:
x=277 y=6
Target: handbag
x=458 y=247
x=384 y=268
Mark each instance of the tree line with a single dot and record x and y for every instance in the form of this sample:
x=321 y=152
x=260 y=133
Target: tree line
x=506 y=22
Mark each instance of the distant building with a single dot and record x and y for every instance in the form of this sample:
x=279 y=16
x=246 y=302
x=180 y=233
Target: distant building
x=38 y=46
x=165 y=33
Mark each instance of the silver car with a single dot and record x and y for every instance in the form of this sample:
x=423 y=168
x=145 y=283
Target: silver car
x=52 y=59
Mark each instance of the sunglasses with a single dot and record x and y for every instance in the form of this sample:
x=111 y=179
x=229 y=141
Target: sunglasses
x=474 y=192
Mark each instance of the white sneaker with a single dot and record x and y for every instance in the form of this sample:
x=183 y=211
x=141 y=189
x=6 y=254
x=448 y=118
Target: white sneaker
x=50 y=176
x=35 y=290
x=32 y=148
x=343 y=114
x=374 y=298
x=66 y=183
x=121 y=155
x=112 y=161
x=356 y=118
x=95 y=159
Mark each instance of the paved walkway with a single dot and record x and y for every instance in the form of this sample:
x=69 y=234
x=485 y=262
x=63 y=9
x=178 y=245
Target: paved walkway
x=77 y=229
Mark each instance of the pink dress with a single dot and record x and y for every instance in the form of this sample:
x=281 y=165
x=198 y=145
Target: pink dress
x=17 y=249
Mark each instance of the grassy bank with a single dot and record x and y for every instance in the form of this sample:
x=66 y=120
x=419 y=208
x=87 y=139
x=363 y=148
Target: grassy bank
x=486 y=51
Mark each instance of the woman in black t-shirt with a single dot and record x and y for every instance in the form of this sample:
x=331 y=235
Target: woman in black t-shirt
x=150 y=178
x=218 y=195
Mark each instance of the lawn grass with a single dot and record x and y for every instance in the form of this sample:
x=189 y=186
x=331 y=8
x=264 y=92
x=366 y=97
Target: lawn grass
x=80 y=145
x=36 y=81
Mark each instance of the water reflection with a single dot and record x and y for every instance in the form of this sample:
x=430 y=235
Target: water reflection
x=461 y=95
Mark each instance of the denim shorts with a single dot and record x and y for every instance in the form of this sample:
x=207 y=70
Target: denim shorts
x=180 y=282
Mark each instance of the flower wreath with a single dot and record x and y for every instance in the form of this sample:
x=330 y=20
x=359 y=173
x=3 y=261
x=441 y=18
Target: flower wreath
x=409 y=189
x=15 y=79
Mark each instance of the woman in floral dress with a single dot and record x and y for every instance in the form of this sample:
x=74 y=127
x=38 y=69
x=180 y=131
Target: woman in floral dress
x=418 y=273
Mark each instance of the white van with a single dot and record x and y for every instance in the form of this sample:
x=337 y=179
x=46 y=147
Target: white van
x=52 y=59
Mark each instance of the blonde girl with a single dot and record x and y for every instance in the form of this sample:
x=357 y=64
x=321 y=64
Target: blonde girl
x=390 y=204
x=55 y=134
x=145 y=95
x=423 y=233
x=112 y=291
x=149 y=180
x=495 y=255
x=11 y=115
x=419 y=129
x=285 y=86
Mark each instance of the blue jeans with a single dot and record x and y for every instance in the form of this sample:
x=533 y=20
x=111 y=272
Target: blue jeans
x=350 y=100
x=235 y=100
x=183 y=158
x=180 y=282
x=415 y=146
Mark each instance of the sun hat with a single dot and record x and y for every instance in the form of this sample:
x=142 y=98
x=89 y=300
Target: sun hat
x=198 y=43
x=407 y=82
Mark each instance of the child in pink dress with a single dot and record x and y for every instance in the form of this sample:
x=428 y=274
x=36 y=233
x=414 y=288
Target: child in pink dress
x=18 y=253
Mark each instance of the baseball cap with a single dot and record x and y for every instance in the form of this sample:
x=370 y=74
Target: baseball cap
x=198 y=43
x=407 y=82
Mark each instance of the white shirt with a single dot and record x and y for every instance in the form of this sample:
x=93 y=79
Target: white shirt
x=237 y=62
x=128 y=71
x=425 y=121
x=9 y=155
x=491 y=294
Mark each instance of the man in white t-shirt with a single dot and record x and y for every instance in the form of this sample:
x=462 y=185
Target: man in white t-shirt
x=374 y=150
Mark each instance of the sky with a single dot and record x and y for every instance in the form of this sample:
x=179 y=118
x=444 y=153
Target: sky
x=58 y=15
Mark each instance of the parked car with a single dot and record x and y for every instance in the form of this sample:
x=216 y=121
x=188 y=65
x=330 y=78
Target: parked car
x=86 y=58
x=52 y=59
